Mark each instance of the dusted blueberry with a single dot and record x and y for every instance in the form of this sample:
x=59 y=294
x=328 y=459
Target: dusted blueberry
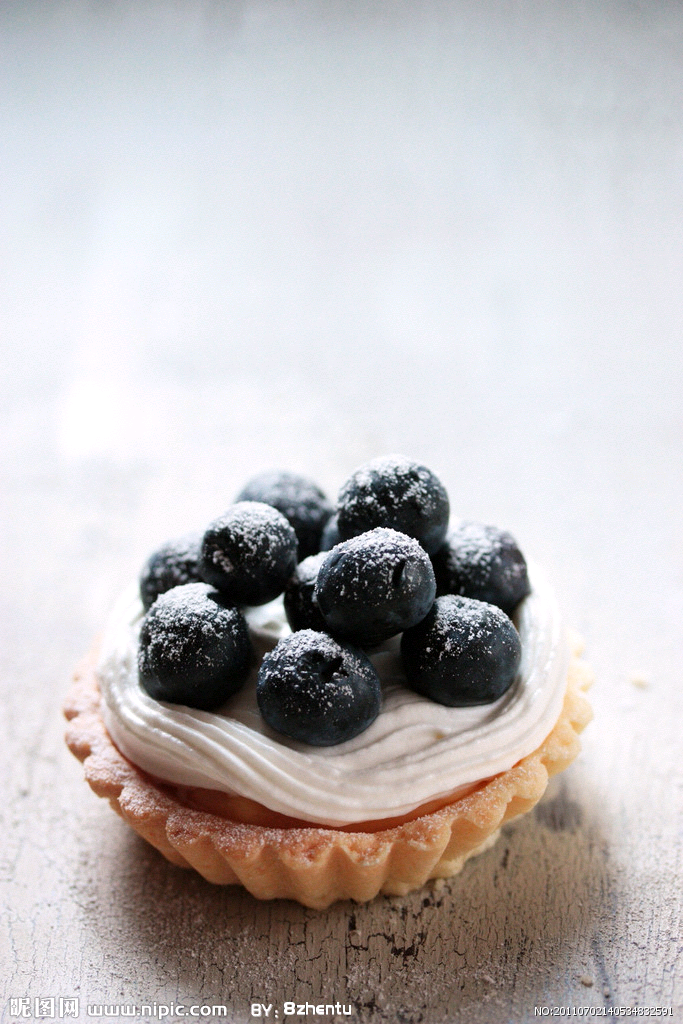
x=373 y=586
x=249 y=553
x=330 y=535
x=299 y=499
x=172 y=565
x=396 y=493
x=464 y=652
x=301 y=607
x=194 y=648
x=316 y=690
x=482 y=562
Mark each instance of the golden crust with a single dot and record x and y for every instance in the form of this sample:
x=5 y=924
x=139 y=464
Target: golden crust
x=313 y=865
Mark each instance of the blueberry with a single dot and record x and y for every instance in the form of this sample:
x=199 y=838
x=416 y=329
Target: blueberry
x=396 y=493
x=482 y=562
x=463 y=652
x=194 y=648
x=301 y=607
x=299 y=499
x=316 y=690
x=249 y=553
x=175 y=563
x=330 y=535
x=373 y=586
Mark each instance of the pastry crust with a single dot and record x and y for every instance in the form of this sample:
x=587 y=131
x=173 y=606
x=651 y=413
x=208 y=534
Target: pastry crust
x=316 y=865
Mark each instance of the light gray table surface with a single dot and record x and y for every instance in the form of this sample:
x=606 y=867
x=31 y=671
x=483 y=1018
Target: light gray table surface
x=243 y=235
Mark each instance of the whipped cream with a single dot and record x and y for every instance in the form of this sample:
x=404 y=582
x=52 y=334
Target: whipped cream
x=415 y=752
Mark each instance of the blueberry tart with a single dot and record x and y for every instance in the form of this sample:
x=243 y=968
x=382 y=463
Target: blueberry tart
x=259 y=727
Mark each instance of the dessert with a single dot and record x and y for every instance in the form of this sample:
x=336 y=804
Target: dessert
x=337 y=769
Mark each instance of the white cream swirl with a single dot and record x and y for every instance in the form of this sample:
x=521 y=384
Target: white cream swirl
x=416 y=751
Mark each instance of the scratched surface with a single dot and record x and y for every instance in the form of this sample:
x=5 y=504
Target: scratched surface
x=302 y=234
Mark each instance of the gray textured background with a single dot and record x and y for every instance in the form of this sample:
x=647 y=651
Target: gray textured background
x=302 y=234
